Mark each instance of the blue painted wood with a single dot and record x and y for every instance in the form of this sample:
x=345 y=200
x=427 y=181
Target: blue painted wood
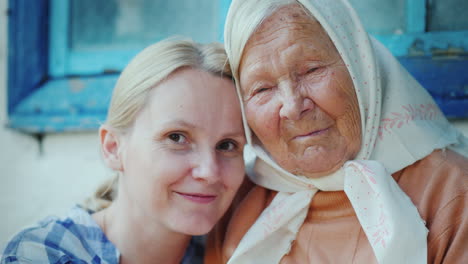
x=98 y=62
x=39 y=124
x=445 y=78
x=66 y=61
x=65 y=104
x=27 y=48
x=447 y=15
x=415 y=16
x=36 y=104
x=58 y=37
x=224 y=7
x=382 y=16
x=427 y=44
x=81 y=103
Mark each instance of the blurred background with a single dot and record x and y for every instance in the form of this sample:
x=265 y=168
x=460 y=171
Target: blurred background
x=59 y=60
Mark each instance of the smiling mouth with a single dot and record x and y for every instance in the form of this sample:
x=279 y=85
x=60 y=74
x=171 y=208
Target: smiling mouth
x=198 y=198
x=313 y=133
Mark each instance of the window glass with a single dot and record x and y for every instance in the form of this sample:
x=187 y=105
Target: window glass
x=447 y=15
x=382 y=16
x=127 y=24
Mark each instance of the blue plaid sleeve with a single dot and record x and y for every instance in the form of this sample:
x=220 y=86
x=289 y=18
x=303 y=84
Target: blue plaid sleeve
x=74 y=240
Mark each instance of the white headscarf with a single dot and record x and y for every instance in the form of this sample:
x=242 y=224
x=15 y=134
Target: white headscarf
x=401 y=124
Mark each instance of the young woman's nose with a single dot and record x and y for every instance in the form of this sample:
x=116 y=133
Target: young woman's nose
x=207 y=168
x=293 y=103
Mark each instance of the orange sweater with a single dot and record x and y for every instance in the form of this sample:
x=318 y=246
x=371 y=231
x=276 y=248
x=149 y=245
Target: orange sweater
x=331 y=233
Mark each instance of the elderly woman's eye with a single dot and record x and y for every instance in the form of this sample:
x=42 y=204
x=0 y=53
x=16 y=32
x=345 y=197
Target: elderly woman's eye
x=260 y=90
x=227 y=146
x=311 y=70
x=177 y=138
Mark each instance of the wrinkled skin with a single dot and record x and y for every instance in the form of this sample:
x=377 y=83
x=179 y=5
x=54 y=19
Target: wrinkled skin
x=298 y=95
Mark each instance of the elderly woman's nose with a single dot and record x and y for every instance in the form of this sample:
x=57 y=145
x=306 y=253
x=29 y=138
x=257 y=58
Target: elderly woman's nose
x=206 y=168
x=294 y=104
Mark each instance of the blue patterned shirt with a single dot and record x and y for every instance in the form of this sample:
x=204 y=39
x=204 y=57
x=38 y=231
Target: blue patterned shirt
x=74 y=239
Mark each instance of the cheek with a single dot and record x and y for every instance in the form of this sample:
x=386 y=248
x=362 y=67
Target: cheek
x=233 y=171
x=136 y=165
x=167 y=169
x=331 y=92
x=262 y=119
x=351 y=128
x=345 y=91
x=349 y=123
x=336 y=97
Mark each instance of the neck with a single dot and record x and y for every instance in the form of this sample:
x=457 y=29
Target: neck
x=138 y=238
x=264 y=167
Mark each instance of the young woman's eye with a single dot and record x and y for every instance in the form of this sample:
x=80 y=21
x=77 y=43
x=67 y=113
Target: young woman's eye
x=227 y=146
x=177 y=138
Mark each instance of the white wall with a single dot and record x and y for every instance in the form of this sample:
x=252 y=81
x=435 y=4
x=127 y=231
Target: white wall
x=34 y=183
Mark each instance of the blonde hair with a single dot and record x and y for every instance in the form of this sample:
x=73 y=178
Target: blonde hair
x=146 y=70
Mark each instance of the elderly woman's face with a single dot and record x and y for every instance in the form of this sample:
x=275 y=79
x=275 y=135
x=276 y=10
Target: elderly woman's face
x=298 y=95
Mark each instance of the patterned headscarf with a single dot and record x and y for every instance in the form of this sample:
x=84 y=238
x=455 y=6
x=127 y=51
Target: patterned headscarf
x=401 y=124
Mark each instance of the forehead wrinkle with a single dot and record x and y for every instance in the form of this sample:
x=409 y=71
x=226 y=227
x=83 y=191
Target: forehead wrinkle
x=283 y=17
x=266 y=32
x=294 y=29
x=287 y=53
x=254 y=62
x=292 y=23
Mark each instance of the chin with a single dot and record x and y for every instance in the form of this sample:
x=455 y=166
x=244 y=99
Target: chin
x=197 y=230
x=319 y=168
x=324 y=162
x=315 y=173
x=194 y=226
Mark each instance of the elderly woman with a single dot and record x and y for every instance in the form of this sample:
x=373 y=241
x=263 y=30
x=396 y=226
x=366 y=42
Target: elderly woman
x=354 y=162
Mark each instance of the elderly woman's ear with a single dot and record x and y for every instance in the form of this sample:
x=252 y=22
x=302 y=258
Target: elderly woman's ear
x=111 y=143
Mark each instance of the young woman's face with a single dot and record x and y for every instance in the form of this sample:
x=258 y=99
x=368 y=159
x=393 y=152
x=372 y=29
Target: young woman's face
x=182 y=160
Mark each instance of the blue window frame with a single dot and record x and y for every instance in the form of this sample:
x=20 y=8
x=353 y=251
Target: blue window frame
x=52 y=87
x=437 y=58
x=79 y=45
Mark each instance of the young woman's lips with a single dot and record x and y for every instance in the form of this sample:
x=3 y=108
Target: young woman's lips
x=198 y=198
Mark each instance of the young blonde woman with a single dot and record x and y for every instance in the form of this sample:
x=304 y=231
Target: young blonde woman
x=174 y=134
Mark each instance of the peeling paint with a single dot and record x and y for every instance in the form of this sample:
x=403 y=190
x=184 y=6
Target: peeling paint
x=76 y=85
x=416 y=48
x=451 y=51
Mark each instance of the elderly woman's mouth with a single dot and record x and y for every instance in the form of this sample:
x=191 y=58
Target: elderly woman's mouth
x=314 y=133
